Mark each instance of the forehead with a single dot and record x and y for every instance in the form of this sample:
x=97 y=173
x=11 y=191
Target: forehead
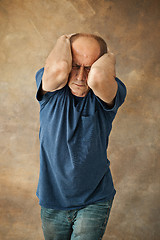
x=86 y=50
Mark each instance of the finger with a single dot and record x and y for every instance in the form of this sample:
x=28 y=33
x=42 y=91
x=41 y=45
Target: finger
x=69 y=35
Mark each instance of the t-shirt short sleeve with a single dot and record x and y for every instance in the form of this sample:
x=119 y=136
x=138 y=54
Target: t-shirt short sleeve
x=119 y=98
x=42 y=99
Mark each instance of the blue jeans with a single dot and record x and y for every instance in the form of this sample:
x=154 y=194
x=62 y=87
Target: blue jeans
x=88 y=223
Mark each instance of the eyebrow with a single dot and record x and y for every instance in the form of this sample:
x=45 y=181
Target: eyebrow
x=77 y=65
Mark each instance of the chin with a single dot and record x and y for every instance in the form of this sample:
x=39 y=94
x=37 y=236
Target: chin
x=79 y=93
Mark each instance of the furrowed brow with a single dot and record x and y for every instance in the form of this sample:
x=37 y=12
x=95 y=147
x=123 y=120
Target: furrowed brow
x=77 y=65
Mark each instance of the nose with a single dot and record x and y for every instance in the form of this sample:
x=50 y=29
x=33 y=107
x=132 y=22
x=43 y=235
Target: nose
x=80 y=75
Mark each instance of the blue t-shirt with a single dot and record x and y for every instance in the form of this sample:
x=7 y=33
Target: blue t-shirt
x=74 y=131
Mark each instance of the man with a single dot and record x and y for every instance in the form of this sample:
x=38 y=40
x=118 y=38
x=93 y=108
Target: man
x=79 y=96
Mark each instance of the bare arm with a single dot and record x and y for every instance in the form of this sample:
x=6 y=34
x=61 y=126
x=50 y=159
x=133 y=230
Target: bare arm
x=58 y=66
x=101 y=78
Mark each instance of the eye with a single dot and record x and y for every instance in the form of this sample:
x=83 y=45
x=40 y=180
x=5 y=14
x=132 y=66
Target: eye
x=88 y=68
x=75 y=67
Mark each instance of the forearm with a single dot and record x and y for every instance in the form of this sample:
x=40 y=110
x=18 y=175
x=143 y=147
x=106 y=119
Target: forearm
x=58 y=65
x=101 y=78
x=103 y=86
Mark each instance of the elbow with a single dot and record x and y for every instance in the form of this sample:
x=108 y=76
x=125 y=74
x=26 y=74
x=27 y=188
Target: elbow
x=62 y=71
x=55 y=75
x=95 y=76
x=58 y=70
x=98 y=76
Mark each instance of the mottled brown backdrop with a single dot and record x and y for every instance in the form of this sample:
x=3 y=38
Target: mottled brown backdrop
x=28 y=31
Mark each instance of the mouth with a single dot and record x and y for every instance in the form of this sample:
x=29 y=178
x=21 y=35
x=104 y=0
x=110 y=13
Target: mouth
x=79 y=85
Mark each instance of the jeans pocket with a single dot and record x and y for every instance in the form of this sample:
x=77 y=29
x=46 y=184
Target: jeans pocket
x=48 y=213
x=106 y=204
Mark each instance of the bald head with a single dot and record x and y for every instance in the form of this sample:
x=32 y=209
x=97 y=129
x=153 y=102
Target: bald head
x=86 y=48
x=102 y=44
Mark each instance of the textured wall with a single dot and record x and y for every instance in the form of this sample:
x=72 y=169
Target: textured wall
x=28 y=31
